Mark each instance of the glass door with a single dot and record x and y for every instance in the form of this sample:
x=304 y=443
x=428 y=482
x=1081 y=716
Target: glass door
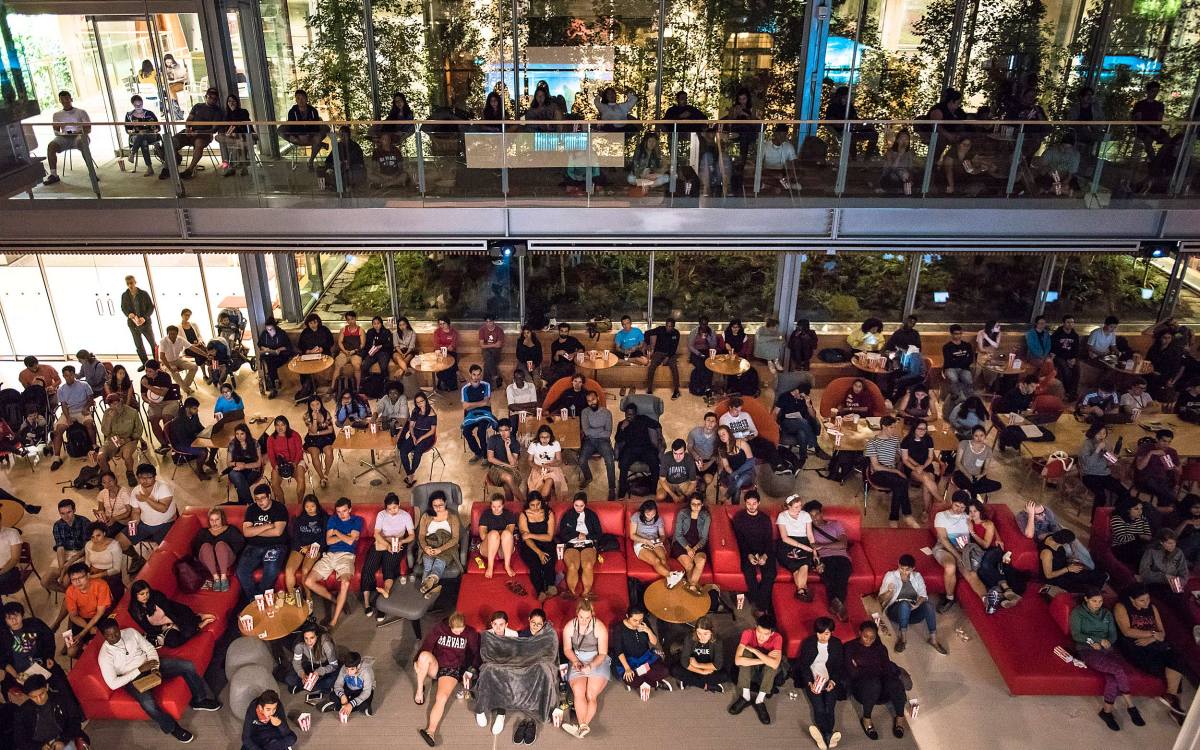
x=126 y=54
x=27 y=308
x=86 y=291
x=178 y=287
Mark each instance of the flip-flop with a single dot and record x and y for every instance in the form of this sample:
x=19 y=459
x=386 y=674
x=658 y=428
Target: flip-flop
x=511 y=585
x=420 y=702
x=519 y=590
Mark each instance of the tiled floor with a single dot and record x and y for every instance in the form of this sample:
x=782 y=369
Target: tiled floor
x=964 y=701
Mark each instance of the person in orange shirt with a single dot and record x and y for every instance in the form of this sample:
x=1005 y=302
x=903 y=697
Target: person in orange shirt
x=88 y=600
x=43 y=375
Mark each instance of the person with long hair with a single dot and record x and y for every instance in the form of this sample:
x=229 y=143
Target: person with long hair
x=1061 y=567
x=579 y=531
x=496 y=527
x=318 y=442
x=229 y=407
x=306 y=542
x=820 y=668
x=448 y=655
x=536 y=529
x=920 y=462
x=394 y=531
x=738 y=342
x=1141 y=639
x=164 y=621
x=492 y=114
x=967 y=415
x=529 y=353
x=795 y=552
x=246 y=462
x=873 y=678
x=438 y=534
x=585 y=647
x=285 y=452
x=406 y=348
x=377 y=348
x=417 y=437
x=898 y=171
x=1130 y=529
x=545 y=455
x=737 y=464
x=119 y=384
x=971 y=465
x=646 y=169
x=1095 y=470
x=104 y=558
x=649 y=536
x=217 y=547
x=689 y=543
x=349 y=343
x=396 y=128
x=445 y=336
x=1093 y=629
x=235 y=138
x=868 y=337
x=701 y=660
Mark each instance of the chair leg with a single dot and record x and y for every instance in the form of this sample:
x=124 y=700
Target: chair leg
x=28 y=601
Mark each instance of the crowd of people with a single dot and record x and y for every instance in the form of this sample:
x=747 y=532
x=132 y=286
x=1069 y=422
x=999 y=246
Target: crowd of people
x=969 y=159
x=1154 y=531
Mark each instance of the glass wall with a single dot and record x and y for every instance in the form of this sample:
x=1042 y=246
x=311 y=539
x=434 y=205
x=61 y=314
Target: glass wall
x=581 y=286
x=27 y=306
x=975 y=288
x=851 y=287
x=461 y=286
x=1092 y=287
x=86 y=292
x=719 y=285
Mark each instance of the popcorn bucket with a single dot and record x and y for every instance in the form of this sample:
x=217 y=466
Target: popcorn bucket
x=246 y=622
x=442 y=351
x=132 y=528
x=343 y=717
x=539 y=412
x=310 y=682
x=741 y=601
x=529 y=365
x=374 y=427
x=68 y=638
x=347 y=431
x=562 y=413
x=395 y=544
x=314 y=550
x=561 y=548
x=305 y=721
x=260 y=602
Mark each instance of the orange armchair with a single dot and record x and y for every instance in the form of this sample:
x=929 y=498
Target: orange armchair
x=834 y=396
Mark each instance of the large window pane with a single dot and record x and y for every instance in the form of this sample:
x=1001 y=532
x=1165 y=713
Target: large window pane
x=361 y=286
x=580 y=286
x=1092 y=287
x=464 y=287
x=177 y=286
x=27 y=307
x=719 y=285
x=975 y=288
x=86 y=290
x=223 y=278
x=849 y=287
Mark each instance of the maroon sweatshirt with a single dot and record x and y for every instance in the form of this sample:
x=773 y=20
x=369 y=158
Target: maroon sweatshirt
x=453 y=651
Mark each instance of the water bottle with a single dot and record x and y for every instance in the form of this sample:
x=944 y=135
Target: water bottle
x=1117 y=449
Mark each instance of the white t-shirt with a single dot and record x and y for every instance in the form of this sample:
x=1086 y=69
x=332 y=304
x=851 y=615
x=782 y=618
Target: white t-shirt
x=544 y=454
x=775 y=157
x=742 y=425
x=794 y=527
x=819 y=664
x=526 y=394
x=8 y=538
x=74 y=115
x=399 y=525
x=955 y=525
x=159 y=492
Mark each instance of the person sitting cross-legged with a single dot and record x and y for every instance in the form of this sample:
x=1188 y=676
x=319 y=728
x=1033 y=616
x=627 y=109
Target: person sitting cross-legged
x=702 y=660
x=354 y=688
x=904 y=597
x=314 y=663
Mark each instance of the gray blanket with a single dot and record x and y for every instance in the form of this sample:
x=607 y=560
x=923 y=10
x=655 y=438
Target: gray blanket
x=518 y=674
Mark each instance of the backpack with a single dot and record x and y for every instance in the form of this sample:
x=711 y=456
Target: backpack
x=88 y=478
x=78 y=441
x=374 y=385
x=190 y=575
x=833 y=356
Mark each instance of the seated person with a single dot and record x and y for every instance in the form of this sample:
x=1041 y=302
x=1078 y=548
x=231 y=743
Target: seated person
x=1095 y=468
x=315 y=338
x=689 y=542
x=351 y=160
x=1141 y=639
x=353 y=409
x=217 y=547
x=647 y=170
x=857 y=401
x=702 y=445
x=183 y=430
x=246 y=463
x=1019 y=400
x=87 y=601
x=274 y=351
x=392 y=408
x=1158 y=469
x=1136 y=400
x=354 y=688
x=868 y=337
x=449 y=654
x=637 y=661
x=104 y=558
x=285 y=453
x=676 y=474
x=756 y=548
x=498 y=628
x=904 y=597
x=438 y=534
x=314 y=663
x=417 y=437
x=574 y=399
x=971 y=462
x=154 y=507
x=832 y=546
x=126 y=656
x=394 y=531
x=873 y=678
x=1164 y=566
x=1094 y=632
x=799 y=419
x=122 y=428
x=320 y=435
x=504 y=461
x=50 y=717
x=579 y=531
x=266 y=726
x=519 y=672
x=1037 y=522
x=520 y=395
x=28 y=642
x=649 y=536
x=629 y=344
x=987 y=562
x=898 y=166
x=70 y=534
x=562 y=354
x=497 y=525
x=778 y=162
x=820 y=668
x=265 y=532
x=173 y=353
x=342 y=531
x=220 y=366
x=737 y=464
x=759 y=659
x=76 y=403
x=477 y=413
x=1061 y=569
x=311 y=137
x=545 y=465
x=1101 y=403
x=163 y=621
x=701 y=660
x=536 y=528
x=196 y=136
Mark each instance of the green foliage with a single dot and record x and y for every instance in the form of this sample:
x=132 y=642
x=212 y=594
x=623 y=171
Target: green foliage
x=934 y=28
x=849 y=286
x=367 y=293
x=1101 y=285
x=719 y=285
x=456 y=41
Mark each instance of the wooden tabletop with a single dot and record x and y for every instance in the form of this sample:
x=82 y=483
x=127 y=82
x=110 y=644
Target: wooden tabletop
x=310 y=366
x=283 y=623
x=727 y=364
x=594 y=359
x=1001 y=367
x=566 y=431
x=432 y=362
x=1141 y=367
x=1069 y=432
x=875 y=365
x=676 y=605
x=364 y=440
x=11 y=513
x=854 y=436
x=222 y=438
x=943 y=436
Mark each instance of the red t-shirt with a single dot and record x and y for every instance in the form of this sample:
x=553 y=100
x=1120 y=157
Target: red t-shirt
x=448 y=339
x=453 y=651
x=774 y=642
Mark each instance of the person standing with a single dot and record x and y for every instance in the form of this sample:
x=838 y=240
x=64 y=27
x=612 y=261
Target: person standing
x=491 y=344
x=137 y=306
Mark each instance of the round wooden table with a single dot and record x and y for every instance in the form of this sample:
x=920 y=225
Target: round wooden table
x=874 y=365
x=596 y=360
x=310 y=366
x=676 y=605
x=1001 y=367
x=11 y=513
x=727 y=364
x=1140 y=369
x=287 y=618
x=432 y=363
x=854 y=435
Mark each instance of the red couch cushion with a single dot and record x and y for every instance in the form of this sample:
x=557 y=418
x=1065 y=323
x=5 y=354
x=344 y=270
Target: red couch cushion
x=1024 y=550
x=613 y=520
x=795 y=618
x=477 y=511
x=612 y=601
x=642 y=571
x=883 y=548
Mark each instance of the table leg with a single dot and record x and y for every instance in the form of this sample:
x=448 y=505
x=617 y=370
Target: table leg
x=372 y=466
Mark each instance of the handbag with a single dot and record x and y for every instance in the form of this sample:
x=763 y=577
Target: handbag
x=190 y=574
x=286 y=468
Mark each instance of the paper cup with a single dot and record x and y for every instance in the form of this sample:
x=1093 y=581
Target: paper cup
x=741 y=601
x=132 y=528
x=305 y=722
x=443 y=351
x=560 y=548
x=343 y=717
x=539 y=412
x=374 y=427
x=260 y=602
x=395 y=544
x=562 y=413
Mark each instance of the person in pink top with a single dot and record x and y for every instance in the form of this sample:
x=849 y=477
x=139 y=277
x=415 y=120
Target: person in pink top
x=491 y=341
x=446 y=336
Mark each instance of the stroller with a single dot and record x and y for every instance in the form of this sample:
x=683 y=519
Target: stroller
x=231 y=327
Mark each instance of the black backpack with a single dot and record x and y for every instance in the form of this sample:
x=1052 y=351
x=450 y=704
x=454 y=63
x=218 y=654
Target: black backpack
x=78 y=441
x=374 y=385
x=88 y=478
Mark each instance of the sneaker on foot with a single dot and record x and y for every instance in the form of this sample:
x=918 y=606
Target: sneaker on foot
x=182 y=735
x=674 y=578
x=1136 y=717
x=945 y=605
x=761 y=710
x=208 y=704
x=498 y=723
x=58 y=462
x=51 y=179
x=1110 y=721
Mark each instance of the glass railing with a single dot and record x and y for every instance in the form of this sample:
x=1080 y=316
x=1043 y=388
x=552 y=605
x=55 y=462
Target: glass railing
x=730 y=164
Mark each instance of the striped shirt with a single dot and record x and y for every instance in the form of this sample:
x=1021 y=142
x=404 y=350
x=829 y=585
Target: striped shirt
x=1125 y=532
x=885 y=449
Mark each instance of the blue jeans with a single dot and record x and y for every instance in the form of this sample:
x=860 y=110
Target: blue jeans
x=170 y=667
x=800 y=431
x=902 y=613
x=242 y=481
x=324 y=682
x=433 y=566
x=271 y=560
x=741 y=477
x=142 y=142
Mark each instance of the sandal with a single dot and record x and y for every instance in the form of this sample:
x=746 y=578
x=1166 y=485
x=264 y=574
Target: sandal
x=869 y=730
x=519 y=590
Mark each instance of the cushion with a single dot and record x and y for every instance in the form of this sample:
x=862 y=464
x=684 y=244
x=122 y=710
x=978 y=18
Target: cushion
x=246 y=685
x=244 y=651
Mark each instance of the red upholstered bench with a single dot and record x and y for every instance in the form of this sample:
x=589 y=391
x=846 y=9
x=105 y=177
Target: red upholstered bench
x=883 y=548
x=717 y=535
x=1025 y=556
x=795 y=618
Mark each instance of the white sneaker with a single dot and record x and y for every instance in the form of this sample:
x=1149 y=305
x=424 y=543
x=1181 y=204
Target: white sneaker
x=498 y=724
x=481 y=719
x=674 y=578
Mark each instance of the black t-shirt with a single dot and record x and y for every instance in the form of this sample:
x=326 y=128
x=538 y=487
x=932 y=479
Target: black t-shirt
x=495 y=444
x=256 y=516
x=677 y=472
x=957 y=356
x=666 y=340
x=636 y=435
x=570 y=346
x=631 y=643
x=1147 y=110
x=791 y=407
x=1064 y=344
x=918 y=449
x=491 y=522
x=307 y=530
